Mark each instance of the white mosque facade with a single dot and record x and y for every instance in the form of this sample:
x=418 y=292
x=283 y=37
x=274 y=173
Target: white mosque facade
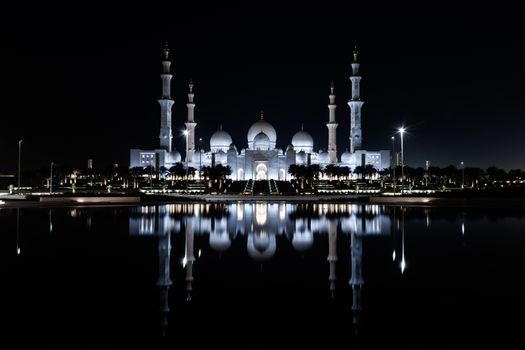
x=261 y=159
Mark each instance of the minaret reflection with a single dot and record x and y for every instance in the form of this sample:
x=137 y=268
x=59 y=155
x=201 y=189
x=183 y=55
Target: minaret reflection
x=164 y=281
x=189 y=258
x=332 y=254
x=356 y=281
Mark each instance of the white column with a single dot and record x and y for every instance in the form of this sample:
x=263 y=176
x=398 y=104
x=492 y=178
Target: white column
x=166 y=104
x=190 y=125
x=355 y=105
x=332 y=126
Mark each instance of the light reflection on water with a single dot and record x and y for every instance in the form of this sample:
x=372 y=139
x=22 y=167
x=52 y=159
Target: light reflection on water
x=428 y=256
x=261 y=223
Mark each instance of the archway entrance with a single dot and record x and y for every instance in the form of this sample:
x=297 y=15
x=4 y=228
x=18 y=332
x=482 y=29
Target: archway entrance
x=261 y=171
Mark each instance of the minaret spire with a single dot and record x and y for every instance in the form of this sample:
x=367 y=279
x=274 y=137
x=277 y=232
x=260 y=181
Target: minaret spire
x=262 y=114
x=166 y=51
x=190 y=124
x=166 y=104
x=332 y=126
x=355 y=105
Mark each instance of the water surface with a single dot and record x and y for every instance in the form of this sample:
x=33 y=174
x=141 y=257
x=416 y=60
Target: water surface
x=262 y=274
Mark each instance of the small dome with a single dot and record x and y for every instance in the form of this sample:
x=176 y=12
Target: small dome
x=303 y=141
x=346 y=157
x=175 y=157
x=264 y=127
x=198 y=157
x=289 y=148
x=323 y=158
x=261 y=141
x=220 y=140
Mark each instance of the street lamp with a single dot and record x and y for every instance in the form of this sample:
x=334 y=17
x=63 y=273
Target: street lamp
x=402 y=131
x=19 y=157
x=394 y=162
x=462 y=175
x=51 y=179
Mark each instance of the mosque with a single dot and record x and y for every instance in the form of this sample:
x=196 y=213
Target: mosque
x=261 y=159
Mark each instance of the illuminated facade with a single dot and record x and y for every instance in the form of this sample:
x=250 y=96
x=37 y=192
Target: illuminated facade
x=261 y=159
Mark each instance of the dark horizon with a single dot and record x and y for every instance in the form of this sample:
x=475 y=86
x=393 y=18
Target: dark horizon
x=85 y=85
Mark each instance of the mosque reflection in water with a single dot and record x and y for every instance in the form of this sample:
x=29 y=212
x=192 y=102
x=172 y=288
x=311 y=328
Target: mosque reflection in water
x=261 y=223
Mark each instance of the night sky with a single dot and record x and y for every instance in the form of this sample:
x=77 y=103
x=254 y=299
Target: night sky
x=81 y=83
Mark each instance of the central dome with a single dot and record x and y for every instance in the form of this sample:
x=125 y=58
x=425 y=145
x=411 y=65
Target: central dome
x=261 y=141
x=262 y=126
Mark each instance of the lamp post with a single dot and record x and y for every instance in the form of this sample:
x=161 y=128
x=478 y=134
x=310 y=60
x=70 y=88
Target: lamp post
x=394 y=162
x=186 y=133
x=19 y=158
x=462 y=175
x=402 y=131
x=51 y=179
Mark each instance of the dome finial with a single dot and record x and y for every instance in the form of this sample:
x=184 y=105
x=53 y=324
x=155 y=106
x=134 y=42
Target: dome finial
x=262 y=114
x=166 y=50
x=356 y=52
x=191 y=85
x=332 y=86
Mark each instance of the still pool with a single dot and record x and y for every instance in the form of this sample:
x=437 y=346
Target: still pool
x=262 y=275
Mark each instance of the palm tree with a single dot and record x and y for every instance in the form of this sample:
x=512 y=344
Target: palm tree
x=136 y=172
x=359 y=171
x=370 y=171
x=329 y=170
x=219 y=173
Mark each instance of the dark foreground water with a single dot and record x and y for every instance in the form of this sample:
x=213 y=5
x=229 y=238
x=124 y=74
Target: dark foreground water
x=262 y=275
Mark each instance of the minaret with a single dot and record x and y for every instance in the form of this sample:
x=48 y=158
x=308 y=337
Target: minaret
x=190 y=125
x=355 y=104
x=332 y=125
x=332 y=254
x=166 y=103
